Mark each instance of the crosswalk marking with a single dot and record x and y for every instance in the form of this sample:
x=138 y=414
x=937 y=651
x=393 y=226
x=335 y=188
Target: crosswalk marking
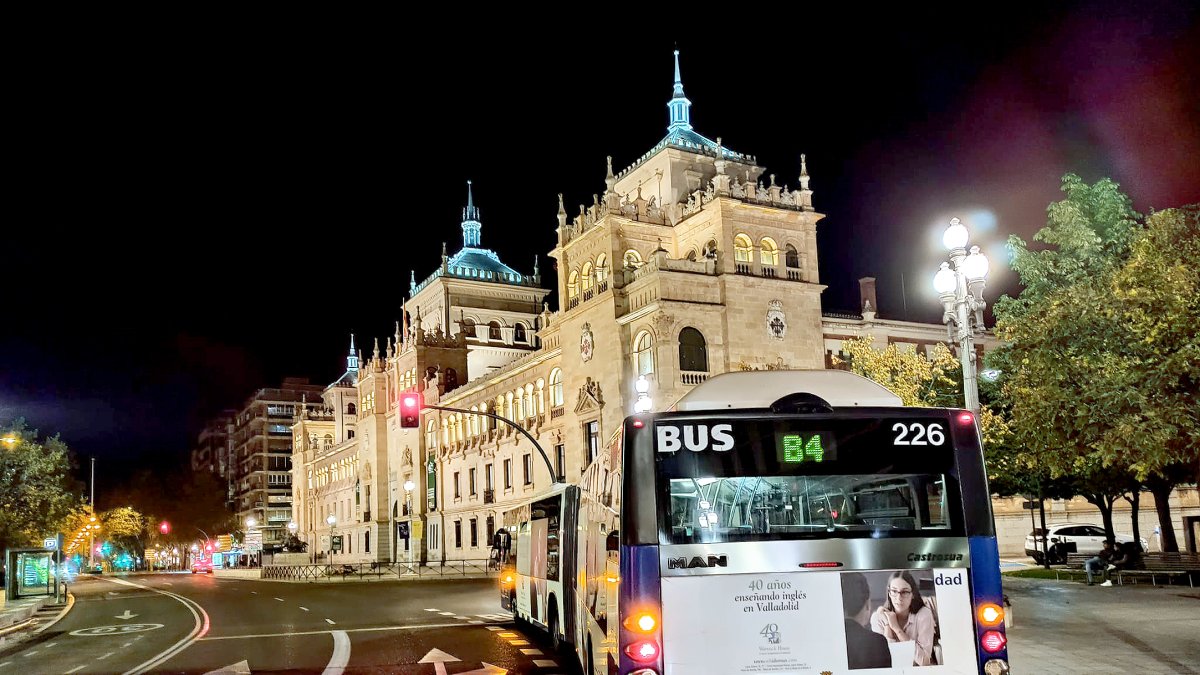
x=531 y=652
x=544 y=663
x=518 y=643
x=494 y=628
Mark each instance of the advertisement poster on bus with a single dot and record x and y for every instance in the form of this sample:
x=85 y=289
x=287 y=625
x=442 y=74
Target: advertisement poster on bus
x=876 y=621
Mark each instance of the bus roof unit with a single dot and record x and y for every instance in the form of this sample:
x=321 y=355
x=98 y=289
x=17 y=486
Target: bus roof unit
x=761 y=388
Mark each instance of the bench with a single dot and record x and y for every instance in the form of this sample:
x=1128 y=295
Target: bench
x=1153 y=565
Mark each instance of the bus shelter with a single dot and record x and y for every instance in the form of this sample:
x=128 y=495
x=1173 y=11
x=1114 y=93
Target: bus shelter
x=30 y=572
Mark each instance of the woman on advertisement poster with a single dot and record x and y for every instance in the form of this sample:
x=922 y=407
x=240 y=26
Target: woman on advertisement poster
x=904 y=616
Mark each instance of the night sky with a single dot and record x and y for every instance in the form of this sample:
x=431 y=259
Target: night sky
x=201 y=213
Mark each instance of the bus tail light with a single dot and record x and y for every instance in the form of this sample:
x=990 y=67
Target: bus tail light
x=992 y=641
x=642 y=622
x=965 y=418
x=642 y=651
x=990 y=614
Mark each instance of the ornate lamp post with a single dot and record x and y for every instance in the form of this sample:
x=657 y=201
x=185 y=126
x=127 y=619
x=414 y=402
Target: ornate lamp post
x=332 y=520
x=959 y=284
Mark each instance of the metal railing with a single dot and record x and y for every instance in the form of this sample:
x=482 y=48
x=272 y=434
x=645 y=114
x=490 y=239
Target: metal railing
x=480 y=568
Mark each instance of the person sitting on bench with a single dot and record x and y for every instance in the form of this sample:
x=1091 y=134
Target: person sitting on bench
x=1103 y=562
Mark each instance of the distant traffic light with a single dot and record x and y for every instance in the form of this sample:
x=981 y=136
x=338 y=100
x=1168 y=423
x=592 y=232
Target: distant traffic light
x=164 y=527
x=410 y=410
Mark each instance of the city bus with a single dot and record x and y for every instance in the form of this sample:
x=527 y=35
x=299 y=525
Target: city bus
x=770 y=522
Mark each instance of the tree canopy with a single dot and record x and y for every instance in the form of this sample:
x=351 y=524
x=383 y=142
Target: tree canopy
x=37 y=491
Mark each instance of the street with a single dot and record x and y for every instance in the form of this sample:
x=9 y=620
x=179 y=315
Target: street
x=181 y=623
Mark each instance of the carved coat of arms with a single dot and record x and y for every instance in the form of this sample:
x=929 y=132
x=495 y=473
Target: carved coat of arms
x=586 y=345
x=776 y=321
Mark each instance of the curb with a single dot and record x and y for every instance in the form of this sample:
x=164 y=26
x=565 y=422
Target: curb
x=63 y=613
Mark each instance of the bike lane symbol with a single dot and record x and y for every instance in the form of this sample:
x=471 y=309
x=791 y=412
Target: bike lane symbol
x=123 y=629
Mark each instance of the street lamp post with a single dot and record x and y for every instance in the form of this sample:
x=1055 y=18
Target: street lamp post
x=409 y=486
x=960 y=289
x=251 y=523
x=332 y=520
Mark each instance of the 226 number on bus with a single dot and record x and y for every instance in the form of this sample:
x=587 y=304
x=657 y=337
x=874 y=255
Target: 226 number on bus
x=921 y=434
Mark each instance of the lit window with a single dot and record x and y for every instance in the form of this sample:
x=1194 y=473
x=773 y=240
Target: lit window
x=643 y=356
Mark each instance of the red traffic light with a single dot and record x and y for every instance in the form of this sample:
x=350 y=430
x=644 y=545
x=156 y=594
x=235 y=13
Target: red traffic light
x=410 y=410
x=164 y=527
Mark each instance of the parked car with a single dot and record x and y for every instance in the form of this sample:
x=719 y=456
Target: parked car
x=1067 y=538
x=202 y=567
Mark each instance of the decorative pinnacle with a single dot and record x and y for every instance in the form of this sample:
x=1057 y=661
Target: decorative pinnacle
x=561 y=209
x=803 y=165
x=678 y=79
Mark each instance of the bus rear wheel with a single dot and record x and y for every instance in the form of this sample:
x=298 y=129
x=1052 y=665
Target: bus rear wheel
x=555 y=641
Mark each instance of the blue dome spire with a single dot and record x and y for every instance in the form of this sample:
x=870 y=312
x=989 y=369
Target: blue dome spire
x=679 y=106
x=470 y=223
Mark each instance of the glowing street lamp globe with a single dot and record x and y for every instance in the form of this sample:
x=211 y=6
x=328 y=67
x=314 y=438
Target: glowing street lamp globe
x=955 y=235
x=975 y=267
x=944 y=281
x=332 y=520
x=409 y=485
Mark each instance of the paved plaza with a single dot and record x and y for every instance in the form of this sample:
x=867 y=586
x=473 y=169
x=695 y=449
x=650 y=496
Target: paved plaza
x=1070 y=627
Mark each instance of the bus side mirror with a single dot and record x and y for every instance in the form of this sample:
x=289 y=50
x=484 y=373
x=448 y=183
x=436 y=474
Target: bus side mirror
x=613 y=542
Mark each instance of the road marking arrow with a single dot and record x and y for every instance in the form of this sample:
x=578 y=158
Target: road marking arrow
x=126 y=615
x=239 y=668
x=487 y=669
x=439 y=659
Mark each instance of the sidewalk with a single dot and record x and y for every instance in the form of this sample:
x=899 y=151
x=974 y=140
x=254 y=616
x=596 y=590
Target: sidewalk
x=1065 y=627
x=15 y=612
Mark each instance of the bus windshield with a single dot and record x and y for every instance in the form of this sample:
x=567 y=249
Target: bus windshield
x=803 y=478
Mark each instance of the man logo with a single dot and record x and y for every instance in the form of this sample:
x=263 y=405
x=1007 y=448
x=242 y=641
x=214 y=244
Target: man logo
x=697 y=561
x=696 y=437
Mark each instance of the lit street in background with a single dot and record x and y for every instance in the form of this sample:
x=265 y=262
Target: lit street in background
x=458 y=627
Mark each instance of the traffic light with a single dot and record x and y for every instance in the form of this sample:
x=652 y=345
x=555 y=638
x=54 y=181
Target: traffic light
x=164 y=527
x=410 y=410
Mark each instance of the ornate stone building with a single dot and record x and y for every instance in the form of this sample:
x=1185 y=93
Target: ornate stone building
x=693 y=261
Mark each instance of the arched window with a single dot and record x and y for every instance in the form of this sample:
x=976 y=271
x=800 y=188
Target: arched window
x=693 y=353
x=494 y=330
x=573 y=285
x=643 y=353
x=328 y=441
x=769 y=254
x=431 y=434
x=468 y=327
x=710 y=249
x=519 y=333
x=601 y=267
x=556 y=388
x=743 y=249
x=791 y=258
x=585 y=277
x=633 y=259
x=691 y=255
x=541 y=396
x=350 y=409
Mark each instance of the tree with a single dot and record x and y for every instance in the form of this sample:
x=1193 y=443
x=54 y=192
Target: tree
x=919 y=380
x=1091 y=372
x=37 y=492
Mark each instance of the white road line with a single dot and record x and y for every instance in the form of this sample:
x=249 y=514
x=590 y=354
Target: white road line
x=52 y=644
x=341 y=653
x=432 y=609
x=8 y=662
x=279 y=599
x=544 y=663
x=475 y=622
x=446 y=613
x=126 y=645
x=253 y=592
x=256 y=636
x=330 y=622
x=304 y=608
x=28 y=654
x=494 y=628
x=518 y=643
x=101 y=658
x=75 y=669
x=462 y=618
x=531 y=652
x=197 y=632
